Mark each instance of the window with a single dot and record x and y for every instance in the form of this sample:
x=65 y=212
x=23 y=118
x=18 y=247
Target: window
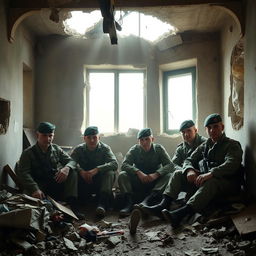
x=179 y=98
x=115 y=100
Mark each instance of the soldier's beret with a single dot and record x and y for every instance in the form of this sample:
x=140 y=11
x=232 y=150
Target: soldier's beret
x=46 y=127
x=91 y=130
x=144 y=133
x=186 y=124
x=212 y=119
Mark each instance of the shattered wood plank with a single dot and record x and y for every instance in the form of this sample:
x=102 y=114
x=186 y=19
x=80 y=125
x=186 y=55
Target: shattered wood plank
x=245 y=221
x=7 y=170
x=63 y=208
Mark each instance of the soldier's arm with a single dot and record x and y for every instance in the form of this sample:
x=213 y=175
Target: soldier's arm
x=167 y=165
x=24 y=173
x=110 y=161
x=129 y=161
x=191 y=163
x=178 y=158
x=75 y=155
x=233 y=159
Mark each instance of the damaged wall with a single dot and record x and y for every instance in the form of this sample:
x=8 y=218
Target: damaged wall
x=60 y=81
x=250 y=95
x=13 y=55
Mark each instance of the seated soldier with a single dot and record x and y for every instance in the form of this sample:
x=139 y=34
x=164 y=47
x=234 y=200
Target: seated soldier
x=97 y=166
x=45 y=169
x=191 y=140
x=145 y=172
x=213 y=170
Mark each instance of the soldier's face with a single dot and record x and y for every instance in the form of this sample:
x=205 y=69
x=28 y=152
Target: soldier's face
x=189 y=134
x=92 y=141
x=146 y=143
x=45 y=139
x=215 y=131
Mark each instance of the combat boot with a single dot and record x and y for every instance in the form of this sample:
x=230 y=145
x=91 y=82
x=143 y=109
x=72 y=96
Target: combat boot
x=103 y=204
x=128 y=206
x=134 y=221
x=151 y=199
x=176 y=216
x=156 y=209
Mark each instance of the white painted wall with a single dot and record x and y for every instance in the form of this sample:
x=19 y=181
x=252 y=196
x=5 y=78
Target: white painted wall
x=13 y=55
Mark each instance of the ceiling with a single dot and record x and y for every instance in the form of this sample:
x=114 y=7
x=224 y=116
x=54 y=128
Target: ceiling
x=185 y=15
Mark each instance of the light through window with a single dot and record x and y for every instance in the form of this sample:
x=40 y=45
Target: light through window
x=179 y=98
x=116 y=100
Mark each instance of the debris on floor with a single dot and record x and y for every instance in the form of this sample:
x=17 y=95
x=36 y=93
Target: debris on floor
x=29 y=226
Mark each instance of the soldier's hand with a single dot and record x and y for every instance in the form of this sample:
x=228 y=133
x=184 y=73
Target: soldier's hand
x=191 y=176
x=62 y=175
x=87 y=176
x=144 y=178
x=38 y=194
x=202 y=178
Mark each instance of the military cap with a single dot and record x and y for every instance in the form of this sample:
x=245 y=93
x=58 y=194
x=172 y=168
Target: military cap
x=212 y=119
x=186 y=124
x=46 y=127
x=91 y=130
x=144 y=133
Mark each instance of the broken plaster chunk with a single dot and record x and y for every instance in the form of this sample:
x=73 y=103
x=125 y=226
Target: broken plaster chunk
x=69 y=244
x=210 y=250
x=153 y=236
x=244 y=244
x=113 y=241
x=192 y=253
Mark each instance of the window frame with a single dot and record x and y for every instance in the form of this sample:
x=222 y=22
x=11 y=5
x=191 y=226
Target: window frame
x=166 y=75
x=116 y=92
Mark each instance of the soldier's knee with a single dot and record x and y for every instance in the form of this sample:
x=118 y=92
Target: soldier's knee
x=122 y=177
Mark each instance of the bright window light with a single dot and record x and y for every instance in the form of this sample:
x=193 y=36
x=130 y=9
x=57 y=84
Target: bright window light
x=133 y=23
x=116 y=100
x=179 y=100
x=131 y=91
x=101 y=101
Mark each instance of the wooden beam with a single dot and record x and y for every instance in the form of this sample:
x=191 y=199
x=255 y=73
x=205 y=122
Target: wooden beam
x=118 y=3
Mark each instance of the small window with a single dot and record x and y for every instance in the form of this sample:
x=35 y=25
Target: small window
x=179 y=98
x=116 y=100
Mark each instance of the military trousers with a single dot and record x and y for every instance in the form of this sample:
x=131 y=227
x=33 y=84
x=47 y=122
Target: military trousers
x=203 y=195
x=60 y=191
x=131 y=184
x=102 y=184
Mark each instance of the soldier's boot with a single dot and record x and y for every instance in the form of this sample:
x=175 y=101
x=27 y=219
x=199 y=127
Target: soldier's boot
x=103 y=204
x=156 y=210
x=128 y=206
x=152 y=198
x=176 y=216
x=134 y=221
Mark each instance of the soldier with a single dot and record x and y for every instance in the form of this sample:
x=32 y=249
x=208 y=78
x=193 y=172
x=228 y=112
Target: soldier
x=145 y=171
x=191 y=140
x=45 y=169
x=97 y=166
x=213 y=170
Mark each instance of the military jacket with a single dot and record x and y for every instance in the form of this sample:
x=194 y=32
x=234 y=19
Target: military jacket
x=155 y=160
x=102 y=158
x=222 y=158
x=184 y=150
x=34 y=165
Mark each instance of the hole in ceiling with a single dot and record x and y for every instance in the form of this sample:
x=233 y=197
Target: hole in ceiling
x=137 y=24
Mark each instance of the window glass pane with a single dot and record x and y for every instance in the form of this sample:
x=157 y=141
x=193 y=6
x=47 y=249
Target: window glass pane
x=101 y=101
x=131 y=101
x=180 y=105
